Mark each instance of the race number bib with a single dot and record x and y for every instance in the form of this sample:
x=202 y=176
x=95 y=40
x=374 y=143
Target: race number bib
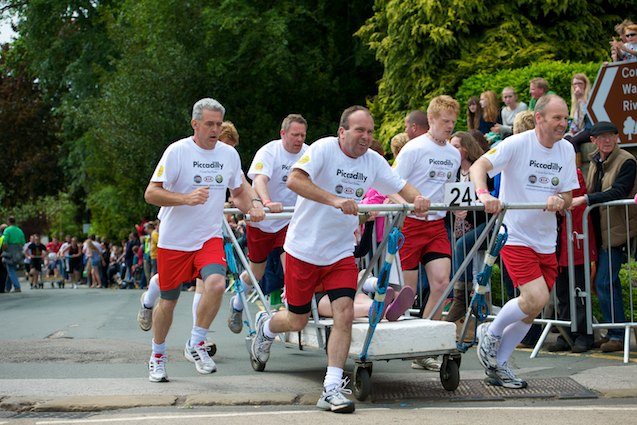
x=460 y=194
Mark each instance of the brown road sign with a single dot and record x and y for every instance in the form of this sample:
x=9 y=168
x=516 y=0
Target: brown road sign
x=614 y=98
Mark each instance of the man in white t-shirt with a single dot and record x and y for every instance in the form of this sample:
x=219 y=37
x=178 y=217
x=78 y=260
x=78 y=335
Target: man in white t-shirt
x=331 y=178
x=537 y=166
x=189 y=184
x=269 y=174
x=428 y=162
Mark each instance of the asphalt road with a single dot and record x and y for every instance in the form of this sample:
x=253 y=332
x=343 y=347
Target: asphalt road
x=65 y=350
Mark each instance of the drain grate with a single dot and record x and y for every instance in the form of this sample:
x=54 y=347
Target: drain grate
x=478 y=390
x=44 y=415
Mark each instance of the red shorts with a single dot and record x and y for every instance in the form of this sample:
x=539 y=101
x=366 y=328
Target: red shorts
x=303 y=279
x=423 y=238
x=176 y=267
x=524 y=265
x=260 y=243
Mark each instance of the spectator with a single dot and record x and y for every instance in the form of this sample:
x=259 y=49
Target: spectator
x=36 y=252
x=511 y=108
x=12 y=243
x=474 y=112
x=489 y=106
x=611 y=176
x=467 y=226
x=538 y=87
x=3 y=268
x=580 y=90
x=626 y=49
x=618 y=54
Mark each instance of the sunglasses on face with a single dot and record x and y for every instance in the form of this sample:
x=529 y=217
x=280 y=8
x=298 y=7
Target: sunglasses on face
x=632 y=34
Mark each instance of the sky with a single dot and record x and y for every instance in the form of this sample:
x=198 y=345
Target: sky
x=6 y=33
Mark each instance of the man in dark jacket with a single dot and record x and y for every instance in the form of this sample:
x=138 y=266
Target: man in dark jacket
x=611 y=176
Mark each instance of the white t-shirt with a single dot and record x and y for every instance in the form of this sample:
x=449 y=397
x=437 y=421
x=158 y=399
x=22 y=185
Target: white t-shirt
x=184 y=167
x=320 y=234
x=530 y=174
x=428 y=166
x=273 y=161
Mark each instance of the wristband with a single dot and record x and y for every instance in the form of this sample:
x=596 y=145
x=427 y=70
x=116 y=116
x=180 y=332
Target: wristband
x=256 y=199
x=266 y=202
x=559 y=195
x=482 y=191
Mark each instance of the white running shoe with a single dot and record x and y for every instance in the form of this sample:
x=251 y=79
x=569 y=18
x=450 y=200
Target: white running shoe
x=488 y=346
x=503 y=376
x=261 y=343
x=199 y=356
x=157 y=368
x=335 y=400
x=427 y=363
x=144 y=315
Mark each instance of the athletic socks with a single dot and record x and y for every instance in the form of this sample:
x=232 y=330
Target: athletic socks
x=333 y=378
x=197 y=335
x=511 y=337
x=152 y=293
x=267 y=331
x=370 y=285
x=159 y=348
x=237 y=303
x=510 y=313
x=195 y=304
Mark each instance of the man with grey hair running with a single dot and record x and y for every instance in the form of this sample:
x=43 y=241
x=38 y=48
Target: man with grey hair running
x=189 y=184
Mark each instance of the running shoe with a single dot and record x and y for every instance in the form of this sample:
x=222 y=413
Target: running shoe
x=402 y=301
x=144 y=315
x=335 y=400
x=199 y=356
x=157 y=368
x=427 y=363
x=261 y=343
x=235 y=321
x=488 y=346
x=503 y=376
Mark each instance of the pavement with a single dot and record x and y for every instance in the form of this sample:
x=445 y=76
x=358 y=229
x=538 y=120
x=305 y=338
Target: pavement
x=51 y=360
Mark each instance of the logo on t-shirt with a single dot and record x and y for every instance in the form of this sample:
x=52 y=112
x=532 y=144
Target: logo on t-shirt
x=304 y=160
x=555 y=181
x=197 y=179
x=258 y=166
x=219 y=178
x=338 y=189
x=160 y=171
x=359 y=192
x=491 y=152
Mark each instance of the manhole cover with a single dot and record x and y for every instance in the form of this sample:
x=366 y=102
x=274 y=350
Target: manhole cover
x=478 y=390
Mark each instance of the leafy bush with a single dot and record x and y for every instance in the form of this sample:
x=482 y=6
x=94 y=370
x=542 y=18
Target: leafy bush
x=557 y=74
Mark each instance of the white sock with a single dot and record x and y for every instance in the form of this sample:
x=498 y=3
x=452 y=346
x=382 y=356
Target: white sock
x=152 y=293
x=195 y=304
x=237 y=303
x=510 y=313
x=370 y=285
x=333 y=378
x=197 y=335
x=266 y=330
x=511 y=337
x=159 y=348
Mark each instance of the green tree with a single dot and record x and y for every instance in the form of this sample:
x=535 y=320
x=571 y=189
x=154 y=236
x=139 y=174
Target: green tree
x=429 y=47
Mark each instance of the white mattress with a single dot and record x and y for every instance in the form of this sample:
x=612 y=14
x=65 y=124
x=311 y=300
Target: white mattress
x=401 y=339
